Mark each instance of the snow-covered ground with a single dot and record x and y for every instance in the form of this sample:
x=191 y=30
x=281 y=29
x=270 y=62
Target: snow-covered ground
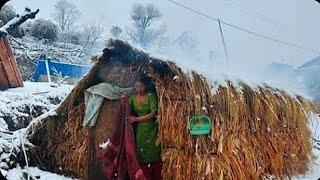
x=34 y=173
x=314 y=171
x=18 y=106
x=22 y=102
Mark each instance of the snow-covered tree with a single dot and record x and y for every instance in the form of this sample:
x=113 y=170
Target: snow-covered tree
x=186 y=43
x=66 y=15
x=44 y=29
x=145 y=30
x=116 y=31
x=7 y=13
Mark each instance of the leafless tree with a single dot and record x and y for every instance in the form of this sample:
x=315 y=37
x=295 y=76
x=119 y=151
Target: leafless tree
x=92 y=32
x=187 y=43
x=66 y=15
x=144 y=30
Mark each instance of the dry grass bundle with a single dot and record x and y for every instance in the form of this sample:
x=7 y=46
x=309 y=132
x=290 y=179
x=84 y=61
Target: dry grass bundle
x=76 y=143
x=255 y=132
x=183 y=165
x=66 y=144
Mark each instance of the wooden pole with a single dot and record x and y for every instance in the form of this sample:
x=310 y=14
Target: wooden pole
x=48 y=71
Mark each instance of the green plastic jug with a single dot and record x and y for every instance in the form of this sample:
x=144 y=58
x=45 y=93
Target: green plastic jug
x=199 y=125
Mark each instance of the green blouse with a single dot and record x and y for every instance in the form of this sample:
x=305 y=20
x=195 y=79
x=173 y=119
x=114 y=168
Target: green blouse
x=146 y=132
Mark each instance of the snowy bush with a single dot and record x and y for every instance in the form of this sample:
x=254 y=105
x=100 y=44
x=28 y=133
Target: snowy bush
x=71 y=37
x=44 y=29
x=17 y=32
x=60 y=79
x=7 y=13
x=26 y=27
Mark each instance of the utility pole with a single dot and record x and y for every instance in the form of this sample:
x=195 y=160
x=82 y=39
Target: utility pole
x=224 y=43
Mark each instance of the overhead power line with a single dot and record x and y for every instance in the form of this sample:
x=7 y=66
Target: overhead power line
x=256 y=14
x=243 y=29
x=197 y=12
x=270 y=38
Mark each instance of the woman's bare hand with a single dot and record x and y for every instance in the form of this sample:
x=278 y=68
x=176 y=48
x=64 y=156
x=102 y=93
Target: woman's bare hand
x=132 y=119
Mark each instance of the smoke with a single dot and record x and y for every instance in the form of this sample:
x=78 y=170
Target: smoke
x=218 y=69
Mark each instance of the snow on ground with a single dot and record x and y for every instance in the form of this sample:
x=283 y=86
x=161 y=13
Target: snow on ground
x=37 y=90
x=18 y=106
x=314 y=171
x=34 y=173
x=315 y=126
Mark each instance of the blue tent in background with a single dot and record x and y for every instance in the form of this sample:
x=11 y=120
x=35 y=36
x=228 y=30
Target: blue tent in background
x=73 y=71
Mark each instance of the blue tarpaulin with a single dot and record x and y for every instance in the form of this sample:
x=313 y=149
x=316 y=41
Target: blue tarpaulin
x=70 y=70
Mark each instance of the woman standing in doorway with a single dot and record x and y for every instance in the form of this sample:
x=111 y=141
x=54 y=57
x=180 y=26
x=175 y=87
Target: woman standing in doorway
x=144 y=106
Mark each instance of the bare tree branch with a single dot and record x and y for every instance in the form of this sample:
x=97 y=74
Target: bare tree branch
x=17 y=21
x=91 y=34
x=66 y=15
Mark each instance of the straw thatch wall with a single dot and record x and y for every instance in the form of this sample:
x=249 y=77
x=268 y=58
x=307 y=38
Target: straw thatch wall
x=255 y=132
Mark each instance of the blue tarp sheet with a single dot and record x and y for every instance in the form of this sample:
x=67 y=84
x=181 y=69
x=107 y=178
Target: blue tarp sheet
x=70 y=70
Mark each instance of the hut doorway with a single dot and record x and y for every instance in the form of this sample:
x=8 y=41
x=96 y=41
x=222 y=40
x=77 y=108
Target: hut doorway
x=106 y=124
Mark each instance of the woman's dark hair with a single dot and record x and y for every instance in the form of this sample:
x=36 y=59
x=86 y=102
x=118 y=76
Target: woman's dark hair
x=147 y=82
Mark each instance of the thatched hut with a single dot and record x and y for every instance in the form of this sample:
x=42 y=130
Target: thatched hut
x=255 y=132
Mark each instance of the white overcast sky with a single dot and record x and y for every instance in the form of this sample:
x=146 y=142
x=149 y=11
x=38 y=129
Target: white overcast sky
x=294 y=21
